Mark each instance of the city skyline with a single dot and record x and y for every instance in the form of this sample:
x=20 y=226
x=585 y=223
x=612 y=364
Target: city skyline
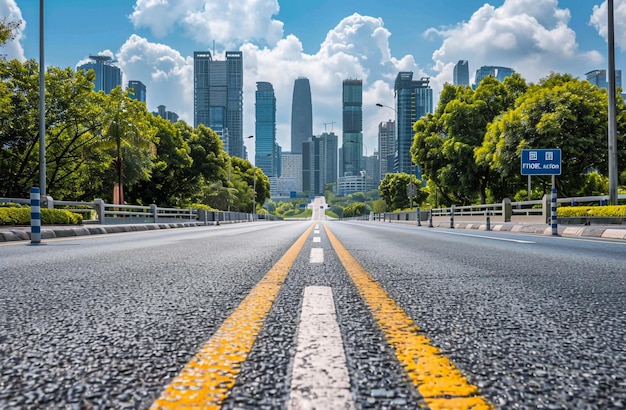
x=153 y=42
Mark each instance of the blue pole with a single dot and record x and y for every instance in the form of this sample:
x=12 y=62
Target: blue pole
x=35 y=215
x=555 y=229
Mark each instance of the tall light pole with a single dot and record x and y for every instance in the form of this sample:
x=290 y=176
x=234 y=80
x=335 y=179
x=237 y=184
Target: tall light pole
x=42 y=107
x=611 y=114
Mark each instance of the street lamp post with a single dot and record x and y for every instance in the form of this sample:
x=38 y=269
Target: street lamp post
x=612 y=137
x=42 y=106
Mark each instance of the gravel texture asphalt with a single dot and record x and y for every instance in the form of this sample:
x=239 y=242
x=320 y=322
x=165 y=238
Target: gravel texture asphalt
x=108 y=323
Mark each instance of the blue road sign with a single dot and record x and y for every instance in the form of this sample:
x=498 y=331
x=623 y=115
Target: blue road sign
x=541 y=161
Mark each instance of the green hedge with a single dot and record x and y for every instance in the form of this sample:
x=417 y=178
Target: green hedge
x=21 y=216
x=583 y=211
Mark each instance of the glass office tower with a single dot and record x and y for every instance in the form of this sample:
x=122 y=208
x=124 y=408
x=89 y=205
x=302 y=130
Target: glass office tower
x=414 y=99
x=265 y=129
x=352 y=139
x=460 y=75
x=218 y=97
x=301 y=115
x=108 y=75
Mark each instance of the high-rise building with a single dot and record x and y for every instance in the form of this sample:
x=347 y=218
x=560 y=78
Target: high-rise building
x=265 y=129
x=301 y=114
x=166 y=115
x=108 y=75
x=460 y=75
x=291 y=174
x=313 y=162
x=414 y=99
x=218 y=97
x=372 y=168
x=352 y=139
x=138 y=90
x=330 y=143
x=599 y=78
x=386 y=147
x=500 y=73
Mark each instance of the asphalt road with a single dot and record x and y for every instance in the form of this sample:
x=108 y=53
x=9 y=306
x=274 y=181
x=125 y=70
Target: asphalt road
x=110 y=321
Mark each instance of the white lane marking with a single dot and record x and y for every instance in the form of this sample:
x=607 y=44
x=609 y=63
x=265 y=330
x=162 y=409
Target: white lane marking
x=317 y=255
x=316 y=232
x=320 y=377
x=317 y=226
x=317 y=239
x=486 y=237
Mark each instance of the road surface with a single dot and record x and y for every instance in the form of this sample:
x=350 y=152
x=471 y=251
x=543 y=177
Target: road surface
x=318 y=313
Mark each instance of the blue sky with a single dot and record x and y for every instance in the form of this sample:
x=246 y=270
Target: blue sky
x=324 y=40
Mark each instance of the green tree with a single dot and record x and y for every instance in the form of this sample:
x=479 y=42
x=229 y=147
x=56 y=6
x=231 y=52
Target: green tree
x=445 y=141
x=355 y=209
x=393 y=190
x=128 y=136
x=74 y=115
x=559 y=112
x=169 y=184
x=19 y=121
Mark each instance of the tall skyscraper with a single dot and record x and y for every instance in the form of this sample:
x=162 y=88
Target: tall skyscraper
x=291 y=174
x=330 y=143
x=414 y=99
x=460 y=75
x=265 y=129
x=301 y=114
x=218 y=97
x=313 y=163
x=500 y=73
x=599 y=78
x=352 y=139
x=386 y=147
x=108 y=75
x=166 y=115
x=139 y=90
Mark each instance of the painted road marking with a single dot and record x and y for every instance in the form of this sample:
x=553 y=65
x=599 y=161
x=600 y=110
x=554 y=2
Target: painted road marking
x=486 y=237
x=207 y=379
x=317 y=255
x=439 y=382
x=316 y=232
x=320 y=376
x=317 y=239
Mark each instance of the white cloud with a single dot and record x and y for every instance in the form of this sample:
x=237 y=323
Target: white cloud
x=356 y=48
x=227 y=23
x=599 y=20
x=168 y=75
x=532 y=37
x=13 y=49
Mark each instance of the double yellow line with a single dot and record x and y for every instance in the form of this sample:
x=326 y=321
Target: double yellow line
x=439 y=382
x=207 y=379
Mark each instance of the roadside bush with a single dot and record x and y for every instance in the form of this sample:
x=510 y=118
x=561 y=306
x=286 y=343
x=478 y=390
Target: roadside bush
x=21 y=216
x=583 y=211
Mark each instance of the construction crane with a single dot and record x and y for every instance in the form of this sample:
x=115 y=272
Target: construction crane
x=331 y=125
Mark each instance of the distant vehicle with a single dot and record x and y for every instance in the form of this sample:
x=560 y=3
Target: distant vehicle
x=321 y=206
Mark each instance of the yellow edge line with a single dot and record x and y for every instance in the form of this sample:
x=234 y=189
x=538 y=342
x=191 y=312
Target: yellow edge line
x=436 y=378
x=208 y=378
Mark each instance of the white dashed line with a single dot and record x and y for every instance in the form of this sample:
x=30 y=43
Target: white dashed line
x=317 y=239
x=317 y=255
x=320 y=377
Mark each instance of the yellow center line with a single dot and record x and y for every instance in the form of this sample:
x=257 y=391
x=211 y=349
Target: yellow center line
x=436 y=378
x=208 y=378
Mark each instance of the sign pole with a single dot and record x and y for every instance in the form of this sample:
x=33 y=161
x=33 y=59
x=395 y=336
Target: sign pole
x=555 y=228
